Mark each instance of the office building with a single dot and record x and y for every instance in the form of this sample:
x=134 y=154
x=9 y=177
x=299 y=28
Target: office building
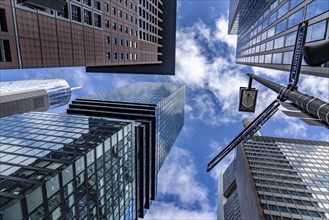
x=66 y=167
x=92 y=33
x=228 y=200
x=159 y=108
x=267 y=31
x=33 y=95
x=280 y=178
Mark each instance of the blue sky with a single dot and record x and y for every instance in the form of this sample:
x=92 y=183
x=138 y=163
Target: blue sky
x=205 y=63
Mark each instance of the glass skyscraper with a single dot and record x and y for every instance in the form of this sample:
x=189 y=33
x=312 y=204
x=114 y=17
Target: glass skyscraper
x=66 y=167
x=33 y=95
x=159 y=108
x=281 y=178
x=267 y=31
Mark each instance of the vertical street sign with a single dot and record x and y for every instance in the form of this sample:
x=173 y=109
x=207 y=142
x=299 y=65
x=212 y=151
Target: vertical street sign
x=298 y=54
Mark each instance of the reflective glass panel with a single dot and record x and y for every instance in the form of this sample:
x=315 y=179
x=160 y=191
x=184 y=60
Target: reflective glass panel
x=316 y=31
x=295 y=18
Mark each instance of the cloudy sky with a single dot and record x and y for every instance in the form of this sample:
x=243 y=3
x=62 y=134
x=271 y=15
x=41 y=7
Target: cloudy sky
x=205 y=63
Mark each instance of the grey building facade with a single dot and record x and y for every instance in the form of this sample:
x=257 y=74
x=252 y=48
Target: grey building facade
x=159 y=108
x=267 y=31
x=281 y=178
x=33 y=95
x=66 y=167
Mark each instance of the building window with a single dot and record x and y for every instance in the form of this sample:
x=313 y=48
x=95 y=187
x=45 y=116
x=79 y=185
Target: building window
x=126 y=30
x=290 y=39
x=87 y=18
x=261 y=59
x=97 y=20
x=281 y=26
x=272 y=18
x=5 y=54
x=294 y=3
x=316 y=31
x=295 y=18
x=114 y=41
x=120 y=27
x=287 y=57
x=86 y=2
x=106 y=7
x=107 y=23
x=113 y=10
x=64 y=13
x=76 y=13
x=120 y=13
x=121 y=56
x=108 y=55
x=127 y=56
x=277 y=58
x=269 y=45
x=315 y=8
x=97 y=5
x=283 y=10
x=107 y=39
x=114 y=25
x=278 y=43
x=121 y=42
x=115 y=56
x=271 y=32
x=3 y=21
x=268 y=58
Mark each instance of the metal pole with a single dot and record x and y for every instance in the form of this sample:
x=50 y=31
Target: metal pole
x=308 y=104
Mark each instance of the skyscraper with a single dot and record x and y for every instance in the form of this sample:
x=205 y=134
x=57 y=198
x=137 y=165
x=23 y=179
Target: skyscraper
x=92 y=33
x=281 y=178
x=267 y=31
x=66 y=167
x=159 y=107
x=33 y=95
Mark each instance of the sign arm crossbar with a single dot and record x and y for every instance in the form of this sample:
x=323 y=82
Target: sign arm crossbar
x=246 y=134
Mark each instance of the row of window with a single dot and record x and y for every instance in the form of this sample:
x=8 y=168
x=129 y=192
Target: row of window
x=121 y=42
x=294 y=210
x=313 y=9
x=120 y=28
x=121 y=56
x=123 y=15
x=315 y=32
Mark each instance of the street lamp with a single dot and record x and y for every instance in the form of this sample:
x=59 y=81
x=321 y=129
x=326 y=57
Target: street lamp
x=248 y=98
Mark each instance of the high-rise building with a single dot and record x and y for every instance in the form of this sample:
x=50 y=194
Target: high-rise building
x=66 y=167
x=92 y=33
x=33 y=95
x=279 y=178
x=159 y=108
x=267 y=31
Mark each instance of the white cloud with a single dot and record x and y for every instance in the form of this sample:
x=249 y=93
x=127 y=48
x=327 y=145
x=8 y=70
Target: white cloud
x=294 y=128
x=177 y=178
x=221 y=32
x=168 y=211
x=316 y=86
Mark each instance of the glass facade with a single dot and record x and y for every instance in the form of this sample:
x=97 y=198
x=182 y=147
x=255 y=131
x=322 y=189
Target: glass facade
x=58 y=90
x=66 y=167
x=279 y=19
x=159 y=108
x=289 y=179
x=230 y=192
x=169 y=101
